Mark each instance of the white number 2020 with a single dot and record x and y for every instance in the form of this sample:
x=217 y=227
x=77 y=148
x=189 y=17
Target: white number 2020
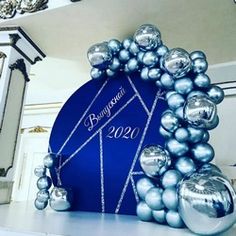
x=123 y=132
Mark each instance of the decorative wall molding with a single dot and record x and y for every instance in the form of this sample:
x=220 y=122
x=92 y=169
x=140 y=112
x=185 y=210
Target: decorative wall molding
x=20 y=65
x=2 y=59
x=229 y=87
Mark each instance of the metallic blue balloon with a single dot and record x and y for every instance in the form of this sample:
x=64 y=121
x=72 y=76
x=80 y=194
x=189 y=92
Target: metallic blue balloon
x=153 y=198
x=170 y=198
x=127 y=42
x=100 y=55
x=154 y=73
x=115 y=64
x=143 y=185
x=40 y=205
x=96 y=73
x=162 y=50
x=169 y=93
x=132 y=65
x=144 y=212
x=182 y=135
x=209 y=167
x=169 y=121
x=179 y=112
x=158 y=84
x=150 y=58
x=195 y=93
x=164 y=132
x=206 y=137
x=159 y=216
x=140 y=56
x=203 y=152
x=44 y=182
x=174 y=220
x=200 y=65
x=184 y=85
x=213 y=124
x=196 y=135
x=176 y=148
x=124 y=55
x=134 y=49
x=216 y=94
x=115 y=46
x=144 y=73
x=148 y=37
x=171 y=178
x=185 y=165
x=167 y=81
x=176 y=62
x=202 y=81
x=175 y=101
x=110 y=73
x=197 y=54
x=49 y=160
x=43 y=195
x=40 y=171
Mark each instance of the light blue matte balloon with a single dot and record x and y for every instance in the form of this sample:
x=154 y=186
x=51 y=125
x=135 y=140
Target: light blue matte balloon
x=167 y=81
x=202 y=81
x=153 y=198
x=185 y=165
x=150 y=58
x=144 y=212
x=144 y=73
x=162 y=50
x=134 y=49
x=127 y=42
x=216 y=94
x=203 y=152
x=110 y=73
x=197 y=54
x=169 y=121
x=196 y=135
x=184 y=85
x=40 y=205
x=164 y=132
x=176 y=148
x=182 y=135
x=114 y=45
x=170 y=198
x=175 y=101
x=200 y=65
x=115 y=64
x=154 y=73
x=132 y=65
x=96 y=73
x=171 y=178
x=196 y=93
x=159 y=216
x=179 y=112
x=174 y=220
x=143 y=185
x=124 y=55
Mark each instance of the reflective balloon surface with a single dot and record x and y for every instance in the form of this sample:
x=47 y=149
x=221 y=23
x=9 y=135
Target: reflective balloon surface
x=171 y=178
x=43 y=195
x=185 y=165
x=40 y=205
x=170 y=199
x=177 y=62
x=216 y=94
x=148 y=37
x=207 y=203
x=48 y=160
x=44 y=182
x=174 y=220
x=176 y=148
x=40 y=171
x=154 y=160
x=203 y=152
x=143 y=211
x=143 y=185
x=169 y=121
x=159 y=216
x=200 y=111
x=153 y=198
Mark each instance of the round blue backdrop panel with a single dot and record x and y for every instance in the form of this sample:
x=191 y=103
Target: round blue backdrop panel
x=100 y=132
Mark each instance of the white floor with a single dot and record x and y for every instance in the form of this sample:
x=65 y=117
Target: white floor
x=22 y=219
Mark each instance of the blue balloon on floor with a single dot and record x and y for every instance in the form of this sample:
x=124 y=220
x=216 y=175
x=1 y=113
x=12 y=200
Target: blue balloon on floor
x=144 y=212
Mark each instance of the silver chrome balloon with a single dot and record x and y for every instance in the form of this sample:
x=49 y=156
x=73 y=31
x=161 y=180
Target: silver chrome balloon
x=177 y=62
x=154 y=160
x=40 y=171
x=200 y=111
x=44 y=182
x=43 y=195
x=40 y=205
x=148 y=37
x=207 y=202
x=48 y=160
x=61 y=199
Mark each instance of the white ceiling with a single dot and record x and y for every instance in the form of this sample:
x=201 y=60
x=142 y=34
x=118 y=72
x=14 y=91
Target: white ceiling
x=68 y=32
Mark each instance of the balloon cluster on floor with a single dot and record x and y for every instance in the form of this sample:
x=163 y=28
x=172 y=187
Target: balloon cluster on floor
x=59 y=198
x=181 y=187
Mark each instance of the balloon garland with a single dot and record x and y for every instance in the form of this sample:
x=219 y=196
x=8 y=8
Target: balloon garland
x=181 y=187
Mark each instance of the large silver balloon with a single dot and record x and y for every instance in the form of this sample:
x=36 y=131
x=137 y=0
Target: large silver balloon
x=207 y=202
x=154 y=160
x=200 y=111
x=100 y=55
x=148 y=37
x=61 y=199
x=177 y=62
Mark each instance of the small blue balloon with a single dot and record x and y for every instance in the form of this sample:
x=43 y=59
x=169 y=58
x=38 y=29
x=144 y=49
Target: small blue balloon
x=162 y=50
x=143 y=185
x=49 y=160
x=40 y=205
x=176 y=148
x=169 y=121
x=206 y=137
x=127 y=42
x=153 y=198
x=171 y=178
x=216 y=94
x=144 y=73
x=174 y=220
x=115 y=64
x=96 y=73
x=40 y=171
x=185 y=165
x=196 y=135
x=159 y=216
x=184 y=85
x=170 y=198
x=197 y=54
x=154 y=73
x=213 y=124
x=132 y=65
x=169 y=93
x=110 y=73
x=124 y=55
x=202 y=81
x=200 y=65
x=143 y=211
x=158 y=84
x=44 y=182
x=167 y=81
x=164 y=132
x=114 y=45
x=134 y=49
x=175 y=101
x=203 y=152
x=140 y=57
x=43 y=195
x=182 y=135
x=179 y=112
x=150 y=58
x=196 y=93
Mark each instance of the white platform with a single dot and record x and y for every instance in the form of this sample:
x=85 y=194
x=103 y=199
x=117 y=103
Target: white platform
x=22 y=219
